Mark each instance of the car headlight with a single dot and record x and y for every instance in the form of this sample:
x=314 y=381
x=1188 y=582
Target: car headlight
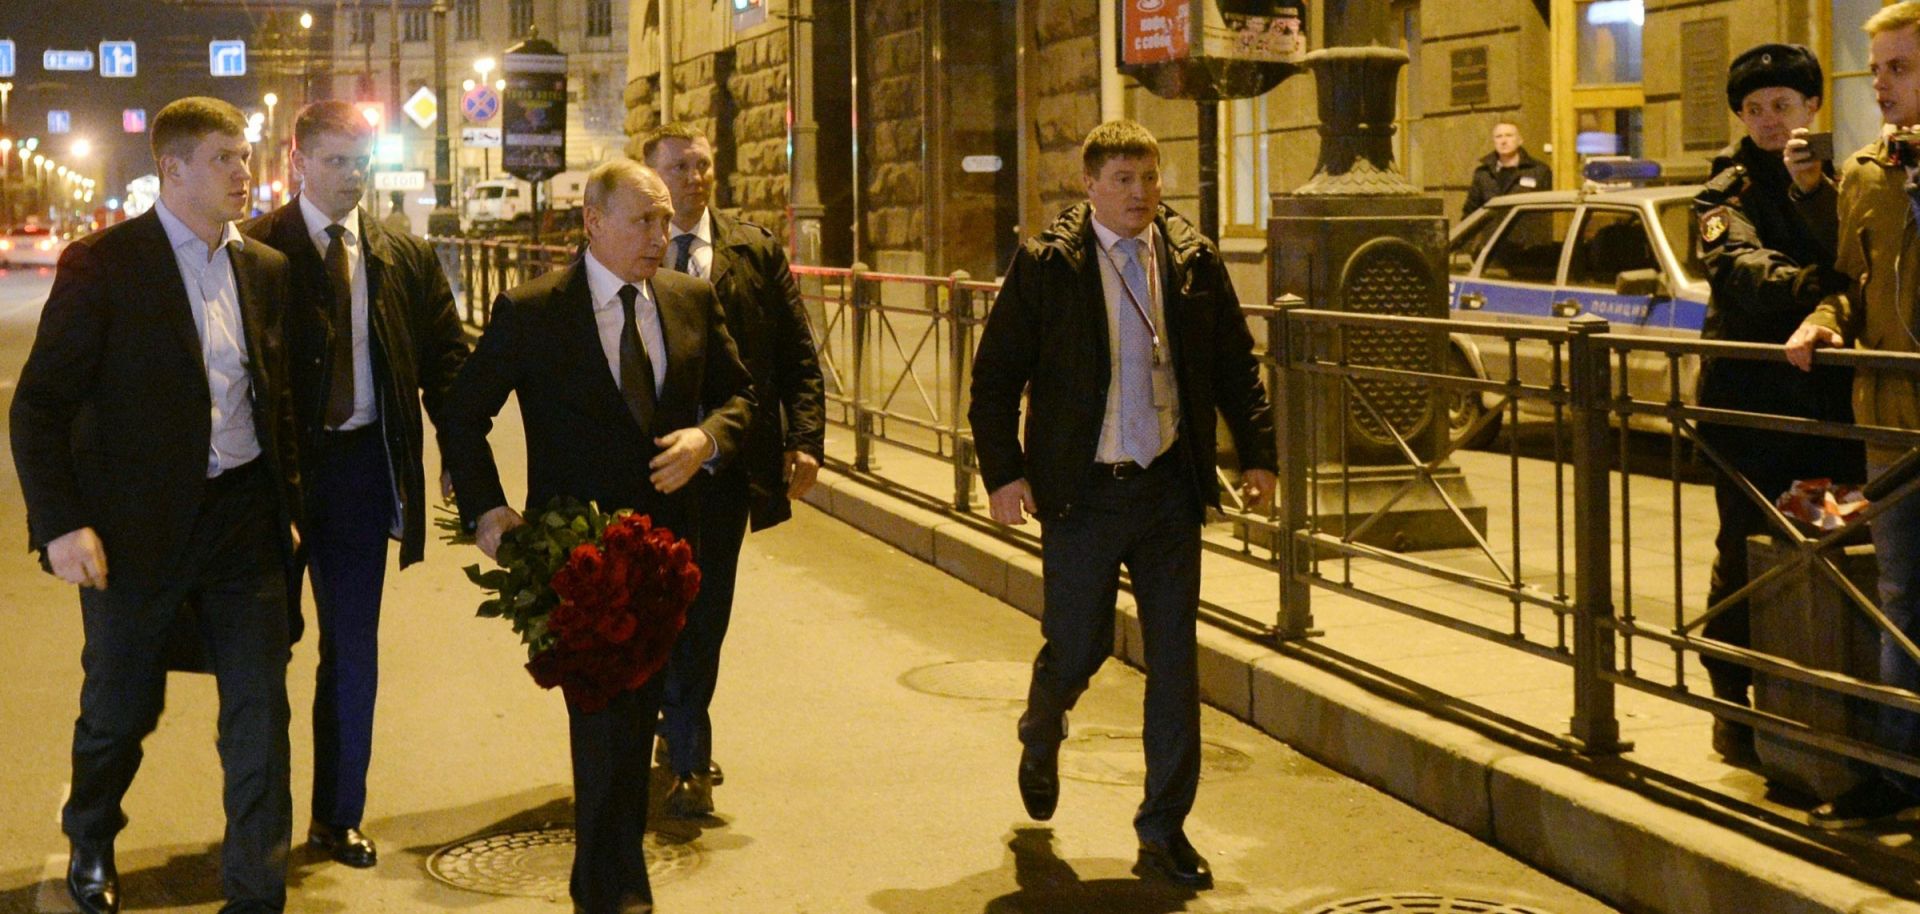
x=46 y=244
x=6 y=244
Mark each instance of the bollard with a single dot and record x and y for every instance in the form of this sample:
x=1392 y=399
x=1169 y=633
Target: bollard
x=862 y=421
x=1594 y=724
x=960 y=353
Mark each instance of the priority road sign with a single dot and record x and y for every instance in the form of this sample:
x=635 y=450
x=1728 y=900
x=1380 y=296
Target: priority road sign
x=422 y=108
x=480 y=104
x=117 y=58
x=227 y=58
x=76 y=61
x=59 y=121
x=6 y=57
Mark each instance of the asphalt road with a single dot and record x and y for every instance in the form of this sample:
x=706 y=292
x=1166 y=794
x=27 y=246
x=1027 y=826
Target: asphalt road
x=865 y=718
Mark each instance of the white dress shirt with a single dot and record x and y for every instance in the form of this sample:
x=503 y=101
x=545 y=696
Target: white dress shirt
x=700 y=256
x=214 y=296
x=611 y=319
x=364 y=411
x=1120 y=308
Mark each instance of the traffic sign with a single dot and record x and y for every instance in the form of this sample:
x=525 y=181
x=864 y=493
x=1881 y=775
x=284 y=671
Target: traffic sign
x=399 y=180
x=480 y=137
x=6 y=57
x=227 y=58
x=480 y=104
x=59 y=121
x=117 y=58
x=134 y=120
x=66 y=60
x=422 y=107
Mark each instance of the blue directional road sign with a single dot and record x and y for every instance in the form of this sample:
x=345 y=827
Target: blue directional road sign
x=66 y=60
x=59 y=121
x=6 y=57
x=227 y=58
x=117 y=58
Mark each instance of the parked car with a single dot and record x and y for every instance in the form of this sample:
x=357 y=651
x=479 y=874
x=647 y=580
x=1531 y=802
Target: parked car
x=31 y=245
x=1543 y=258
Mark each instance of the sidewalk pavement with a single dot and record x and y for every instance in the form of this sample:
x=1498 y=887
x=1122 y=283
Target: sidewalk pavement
x=1469 y=730
x=866 y=722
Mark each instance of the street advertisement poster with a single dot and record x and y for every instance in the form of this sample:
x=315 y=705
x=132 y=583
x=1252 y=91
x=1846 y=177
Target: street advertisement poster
x=1263 y=31
x=1155 y=31
x=534 y=115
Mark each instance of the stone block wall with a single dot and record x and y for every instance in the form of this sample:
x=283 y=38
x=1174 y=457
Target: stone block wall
x=1063 y=85
x=758 y=181
x=642 y=99
x=892 y=204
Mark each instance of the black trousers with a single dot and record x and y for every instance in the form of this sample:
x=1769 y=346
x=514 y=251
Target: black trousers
x=1151 y=524
x=694 y=670
x=612 y=755
x=233 y=570
x=349 y=519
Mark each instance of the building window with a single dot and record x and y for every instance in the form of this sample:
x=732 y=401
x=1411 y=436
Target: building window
x=361 y=27
x=1856 y=118
x=599 y=18
x=519 y=18
x=466 y=20
x=1608 y=33
x=1244 y=181
x=415 y=24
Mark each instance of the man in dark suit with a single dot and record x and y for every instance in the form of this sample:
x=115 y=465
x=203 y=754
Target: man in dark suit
x=778 y=460
x=628 y=384
x=153 y=427
x=371 y=332
x=1119 y=326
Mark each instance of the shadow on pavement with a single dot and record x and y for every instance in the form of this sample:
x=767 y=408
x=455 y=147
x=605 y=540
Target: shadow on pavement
x=1050 y=885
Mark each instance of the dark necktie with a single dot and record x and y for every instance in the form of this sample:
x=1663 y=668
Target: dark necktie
x=683 y=253
x=340 y=330
x=636 y=370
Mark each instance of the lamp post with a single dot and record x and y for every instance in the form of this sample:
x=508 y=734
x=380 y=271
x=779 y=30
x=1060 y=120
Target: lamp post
x=273 y=146
x=484 y=66
x=6 y=173
x=443 y=221
x=6 y=89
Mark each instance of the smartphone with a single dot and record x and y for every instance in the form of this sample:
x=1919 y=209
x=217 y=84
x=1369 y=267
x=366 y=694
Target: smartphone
x=1820 y=146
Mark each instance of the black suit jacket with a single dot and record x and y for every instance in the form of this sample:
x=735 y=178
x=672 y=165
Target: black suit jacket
x=768 y=321
x=416 y=343
x=1047 y=339
x=542 y=345
x=111 y=419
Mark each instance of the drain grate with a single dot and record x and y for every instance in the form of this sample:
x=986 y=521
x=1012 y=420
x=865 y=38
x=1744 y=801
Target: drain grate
x=1420 y=903
x=535 y=863
x=1101 y=755
x=982 y=680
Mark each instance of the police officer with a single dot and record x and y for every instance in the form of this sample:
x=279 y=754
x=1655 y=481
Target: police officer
x=1768 y=226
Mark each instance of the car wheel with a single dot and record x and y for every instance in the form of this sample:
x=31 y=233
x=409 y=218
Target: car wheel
x=1465 y=407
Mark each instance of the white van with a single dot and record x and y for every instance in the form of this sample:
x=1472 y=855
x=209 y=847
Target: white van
x=491 y=203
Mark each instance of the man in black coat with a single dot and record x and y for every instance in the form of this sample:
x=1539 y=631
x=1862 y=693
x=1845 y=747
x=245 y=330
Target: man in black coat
x=1767 y=231
x=781 y=453
x=1120 y=328
x=628 y=386
x=153 y=429
x=1508 y=169
x=371 y=332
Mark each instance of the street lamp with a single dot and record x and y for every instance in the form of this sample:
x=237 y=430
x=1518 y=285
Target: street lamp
x=81 y=147
x=306 y=19
x=6 y=88
x=483 y=66
x=273 y=143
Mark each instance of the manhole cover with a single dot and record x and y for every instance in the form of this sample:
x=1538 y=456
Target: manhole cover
x=1105 y=756
x=1421 y=902
x=984 y=680
x=535 y=863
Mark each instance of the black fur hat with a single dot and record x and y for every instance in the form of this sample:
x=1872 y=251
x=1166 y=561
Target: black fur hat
x=1768 y=65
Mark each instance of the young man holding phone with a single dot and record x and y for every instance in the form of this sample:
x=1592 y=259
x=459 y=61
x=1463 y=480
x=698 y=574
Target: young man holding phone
x=1768 y=225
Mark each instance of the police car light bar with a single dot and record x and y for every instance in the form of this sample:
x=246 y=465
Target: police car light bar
x=1617 y=170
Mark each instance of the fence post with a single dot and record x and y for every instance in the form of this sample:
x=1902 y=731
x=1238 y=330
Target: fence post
x=960 y=352
x=1594 y=725
x=1293 y=459
x=862 y=421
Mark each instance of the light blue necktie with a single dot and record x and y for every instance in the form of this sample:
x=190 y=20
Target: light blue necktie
x=1139 y=421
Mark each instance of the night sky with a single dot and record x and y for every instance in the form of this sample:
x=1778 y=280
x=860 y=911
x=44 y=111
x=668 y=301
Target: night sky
x=172 y=48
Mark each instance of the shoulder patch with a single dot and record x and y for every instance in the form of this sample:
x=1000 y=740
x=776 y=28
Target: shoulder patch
x=1713 y=225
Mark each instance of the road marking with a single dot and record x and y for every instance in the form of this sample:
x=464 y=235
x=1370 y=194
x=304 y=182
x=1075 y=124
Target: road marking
x=66 y=792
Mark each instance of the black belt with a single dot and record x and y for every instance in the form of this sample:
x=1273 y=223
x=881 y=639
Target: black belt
x=1124 y=470
x=234 y=477
x=348 y=435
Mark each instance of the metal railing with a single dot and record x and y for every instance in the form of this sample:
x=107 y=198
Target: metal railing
x=1569 y=585
x=479 y=269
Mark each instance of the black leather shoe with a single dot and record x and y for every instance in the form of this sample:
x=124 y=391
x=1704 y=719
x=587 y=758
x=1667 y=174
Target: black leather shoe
x=345 y=845
x=92 y=881
x=1176 y=861
x=1040 y=779
x=691 y=797
x=1873 y=802
x=714 y=773
x=1733 y=741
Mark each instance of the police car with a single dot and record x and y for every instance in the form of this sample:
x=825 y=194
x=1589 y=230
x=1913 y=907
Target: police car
x=1540 y=259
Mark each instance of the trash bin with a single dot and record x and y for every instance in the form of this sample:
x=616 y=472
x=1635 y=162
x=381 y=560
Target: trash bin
x=1803 y=617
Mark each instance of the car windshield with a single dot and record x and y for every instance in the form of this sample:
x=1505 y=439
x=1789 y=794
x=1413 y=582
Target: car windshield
x=487 y=193
x=1683 y=236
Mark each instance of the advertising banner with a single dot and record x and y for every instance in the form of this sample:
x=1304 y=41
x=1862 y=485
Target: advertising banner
x=534 y=111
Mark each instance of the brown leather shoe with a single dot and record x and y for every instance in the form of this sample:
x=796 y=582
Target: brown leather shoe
x=345 y=845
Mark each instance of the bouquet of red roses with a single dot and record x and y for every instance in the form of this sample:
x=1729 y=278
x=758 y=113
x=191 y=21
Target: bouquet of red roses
x=597 y=598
